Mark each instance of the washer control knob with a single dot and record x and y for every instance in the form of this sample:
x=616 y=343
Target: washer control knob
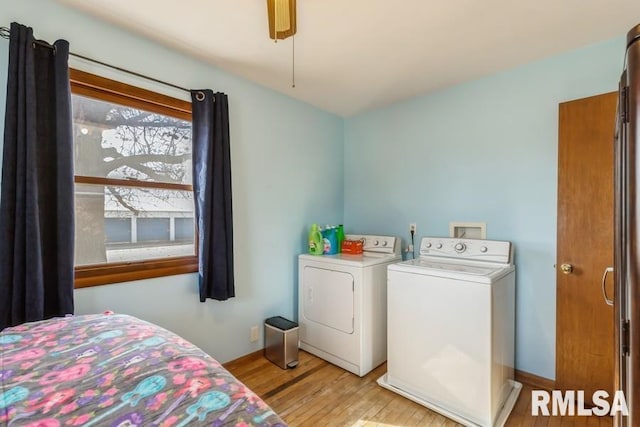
x=483 y=249
x=428 y=245
x=439 y=246
x=460 y=247
x=376 y=243
x=384 y=243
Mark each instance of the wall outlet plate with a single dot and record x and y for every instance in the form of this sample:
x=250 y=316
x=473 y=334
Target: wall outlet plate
x=413 y=227
x=253 y=337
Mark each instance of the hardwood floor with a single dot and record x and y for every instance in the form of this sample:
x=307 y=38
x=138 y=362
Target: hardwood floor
x=317 y=393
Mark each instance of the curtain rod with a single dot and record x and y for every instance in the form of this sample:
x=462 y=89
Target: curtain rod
x=6 y=32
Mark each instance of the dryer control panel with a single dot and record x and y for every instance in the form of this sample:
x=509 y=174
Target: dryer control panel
x=379 y=244
x=467 y=249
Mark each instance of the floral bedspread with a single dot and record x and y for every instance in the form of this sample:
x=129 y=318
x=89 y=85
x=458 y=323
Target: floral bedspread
x=116 y=370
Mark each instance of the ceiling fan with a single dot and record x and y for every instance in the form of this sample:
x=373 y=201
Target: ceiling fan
x=282 y=18
x=282 y=25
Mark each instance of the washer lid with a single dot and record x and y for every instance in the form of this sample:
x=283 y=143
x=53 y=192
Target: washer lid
x=455 y=267
x=482 y=272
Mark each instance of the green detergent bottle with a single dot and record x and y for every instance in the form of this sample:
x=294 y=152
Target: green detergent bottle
x=316 y=246
x=340 y=235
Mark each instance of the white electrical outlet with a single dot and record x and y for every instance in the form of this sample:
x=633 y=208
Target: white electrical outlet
x=412 y=227
x=254 y=334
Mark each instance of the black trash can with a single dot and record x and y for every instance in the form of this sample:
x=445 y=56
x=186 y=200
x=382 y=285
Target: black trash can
x=281 y=342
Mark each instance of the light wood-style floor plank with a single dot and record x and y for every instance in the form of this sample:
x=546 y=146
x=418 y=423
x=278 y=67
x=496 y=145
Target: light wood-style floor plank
x=317 y=393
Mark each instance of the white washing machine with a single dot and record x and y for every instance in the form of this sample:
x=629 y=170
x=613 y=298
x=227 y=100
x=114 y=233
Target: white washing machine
x=451 y=323
x=342 y=310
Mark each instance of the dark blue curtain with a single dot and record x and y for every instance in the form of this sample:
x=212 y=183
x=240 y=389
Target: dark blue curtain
x=36 y=199
x=212 y=193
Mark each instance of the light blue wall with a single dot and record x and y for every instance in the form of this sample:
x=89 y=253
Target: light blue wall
x=481 y=151
x=276 y=143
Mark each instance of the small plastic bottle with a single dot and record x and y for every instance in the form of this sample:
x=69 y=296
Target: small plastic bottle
x=340 y=236
x=316 y=246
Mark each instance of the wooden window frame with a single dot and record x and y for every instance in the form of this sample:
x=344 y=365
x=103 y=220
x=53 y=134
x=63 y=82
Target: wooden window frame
x=101 y=88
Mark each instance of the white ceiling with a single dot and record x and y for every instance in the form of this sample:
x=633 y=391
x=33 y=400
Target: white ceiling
x=356 y=55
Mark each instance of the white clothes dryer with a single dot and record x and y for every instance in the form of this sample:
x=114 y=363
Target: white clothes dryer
x=342 y=304
x=451 y=327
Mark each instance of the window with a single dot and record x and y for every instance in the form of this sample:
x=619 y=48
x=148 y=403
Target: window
x=133 y=189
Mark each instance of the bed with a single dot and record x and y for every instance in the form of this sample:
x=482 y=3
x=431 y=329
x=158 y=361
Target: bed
x=117 y=370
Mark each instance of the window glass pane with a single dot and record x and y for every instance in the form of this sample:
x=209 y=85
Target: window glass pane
x=115 y=141
x=120 y=224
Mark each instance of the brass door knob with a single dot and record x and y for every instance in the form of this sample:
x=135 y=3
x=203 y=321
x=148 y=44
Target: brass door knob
x=566 y=268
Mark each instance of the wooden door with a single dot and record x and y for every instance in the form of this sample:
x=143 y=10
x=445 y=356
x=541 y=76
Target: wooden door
x=584 y=323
